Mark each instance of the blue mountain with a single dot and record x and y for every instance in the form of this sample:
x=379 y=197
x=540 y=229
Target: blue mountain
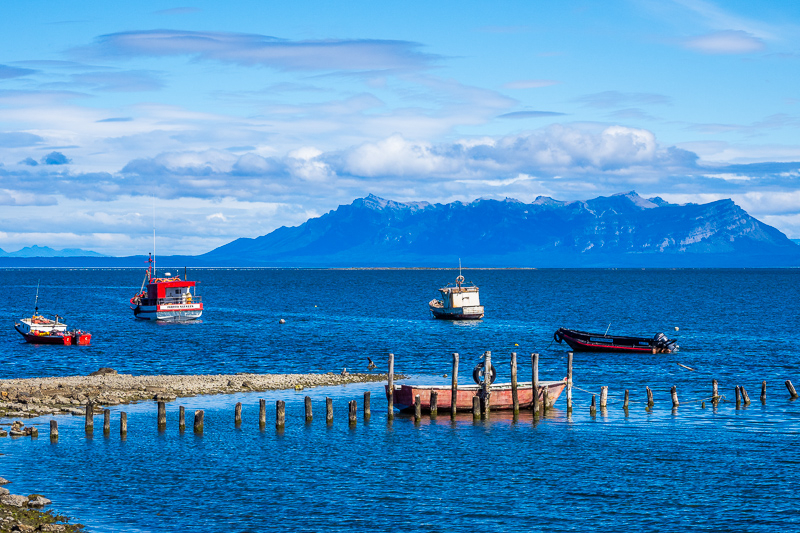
x=623 y=230
x=45 y=251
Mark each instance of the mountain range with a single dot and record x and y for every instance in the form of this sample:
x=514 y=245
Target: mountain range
x=623 y=230
x=46 y=251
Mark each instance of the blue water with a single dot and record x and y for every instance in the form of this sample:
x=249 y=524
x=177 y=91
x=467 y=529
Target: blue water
x=690 y=469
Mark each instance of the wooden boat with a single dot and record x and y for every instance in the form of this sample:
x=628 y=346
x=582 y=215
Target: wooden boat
x=499 y=397
x=459 y=302
x=582 y=341
x=168 y=298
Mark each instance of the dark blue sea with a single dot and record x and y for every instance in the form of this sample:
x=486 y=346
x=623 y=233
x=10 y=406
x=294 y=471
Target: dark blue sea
x=689 y=469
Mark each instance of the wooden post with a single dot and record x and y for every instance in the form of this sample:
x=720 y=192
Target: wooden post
x=738 y=396
x=790 y=387
x=367 y=407
x=417 y=408
x=569 y=381
x=763 y=392
x=353 y=407
x=53 y=430
x=89 y=425
x=454 y=387
x=535 y=383
x=487 y=381
x=199 y=418
x=106 y=421
x=603 y=397
x=309 y=413
x=123 y=423
x=262 y=413
x=626 y=400
x=181 y=418
x=675 y=402
x=545 y=399
x=329 y=410
x=745 y=396
x=162 y=415
x=390 y=390
x=714 y=392
x=434 y=404
x=237 y=414
x=649 y=398
x=476 y=407
x=514 y=396
x=592 y=408
x=280 y=414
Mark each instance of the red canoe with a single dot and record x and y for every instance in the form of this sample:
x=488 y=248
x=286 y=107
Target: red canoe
x=499 y=399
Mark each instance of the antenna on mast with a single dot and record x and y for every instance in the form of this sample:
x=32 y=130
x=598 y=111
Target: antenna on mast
x=154 y=234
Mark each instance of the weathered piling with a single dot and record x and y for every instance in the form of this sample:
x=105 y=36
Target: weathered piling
x=476 y=407
x=329 y=410
x=237 y=414
x=745 y=396
x=593 y=408
x=714 y=392
x=674 y=392
x=569 y=381
x=181 y=418
x=352 y=412
x=262 y=413
x=454 y=387
x=123 y=423
x=199 y=419
x=487 y=382
x=790 y=387
x=434 y=404
x=280 y=414
x=367 y=407
x=535 y=383
x=309 y=413
x=53 y=430
x=603 y=397
x=649 y=398
x=162 y=415
x=545 y=400
x=34 y=432
x=417 y=408
x=763 y=392
x=514 y=396
x=106 y=421
x=626 y=400
x=390 y=390
x=89 y=424
x=738 y=397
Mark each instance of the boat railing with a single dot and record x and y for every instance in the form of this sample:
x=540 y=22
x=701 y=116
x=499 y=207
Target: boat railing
x=180 y=300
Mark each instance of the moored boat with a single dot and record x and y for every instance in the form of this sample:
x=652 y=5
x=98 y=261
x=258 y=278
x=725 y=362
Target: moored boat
x=500 y=397
x=459 y=302
x=582 y=341
x=167 y=298
x=40 y=330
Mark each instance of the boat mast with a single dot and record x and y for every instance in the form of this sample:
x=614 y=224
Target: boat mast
x=36 y=301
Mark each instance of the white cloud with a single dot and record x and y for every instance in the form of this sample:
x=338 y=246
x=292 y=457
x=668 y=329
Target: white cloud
x=530 y=84
x=726 y=42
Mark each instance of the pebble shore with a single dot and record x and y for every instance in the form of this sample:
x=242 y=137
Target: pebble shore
x=26 y=398
x=23 y=513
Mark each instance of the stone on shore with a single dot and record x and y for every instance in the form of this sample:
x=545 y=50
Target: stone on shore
x=14 y=500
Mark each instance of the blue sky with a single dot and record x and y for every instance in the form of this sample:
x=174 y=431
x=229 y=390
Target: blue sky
x=233 y=120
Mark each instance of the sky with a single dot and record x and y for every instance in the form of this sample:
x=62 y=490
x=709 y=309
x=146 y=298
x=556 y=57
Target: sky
x=211 y=121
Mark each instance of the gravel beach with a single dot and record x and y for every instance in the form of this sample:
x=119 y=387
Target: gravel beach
x=25 y=398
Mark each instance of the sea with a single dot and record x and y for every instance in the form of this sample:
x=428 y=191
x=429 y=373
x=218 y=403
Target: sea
x=691 y=468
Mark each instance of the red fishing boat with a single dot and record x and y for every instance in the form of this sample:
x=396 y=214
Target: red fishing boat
x=500 y=397
x=167 y=298
x=40 y=330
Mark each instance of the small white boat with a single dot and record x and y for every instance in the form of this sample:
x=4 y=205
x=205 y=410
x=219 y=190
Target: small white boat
x=459 y=302
x=168 y=298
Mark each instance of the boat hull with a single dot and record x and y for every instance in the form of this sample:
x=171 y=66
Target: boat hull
x=500 y=398
x=168 y=312
x=457 y=313
x=581 y=341
x=79 y=339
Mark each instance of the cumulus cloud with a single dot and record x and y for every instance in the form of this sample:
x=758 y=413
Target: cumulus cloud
x=264 y=50
x=55 y=158
x=726 y=42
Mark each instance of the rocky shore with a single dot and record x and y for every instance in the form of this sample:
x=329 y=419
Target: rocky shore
x=24 y=513
x=25 y=398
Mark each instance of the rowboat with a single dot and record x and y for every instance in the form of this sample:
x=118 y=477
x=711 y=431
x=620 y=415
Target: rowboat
x=582 y=341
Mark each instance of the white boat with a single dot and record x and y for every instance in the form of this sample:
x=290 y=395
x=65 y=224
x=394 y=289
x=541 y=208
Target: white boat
x=167 y=298
x=459 y=302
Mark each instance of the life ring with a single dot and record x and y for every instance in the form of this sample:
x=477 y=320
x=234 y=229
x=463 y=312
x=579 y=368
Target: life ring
x=478 y=370
x=460 y=280
x=557 y=336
